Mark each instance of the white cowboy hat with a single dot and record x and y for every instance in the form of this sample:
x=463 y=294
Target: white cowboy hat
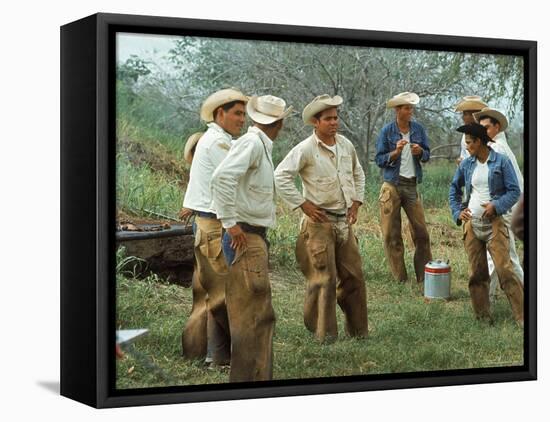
x=218 y=99
x=267 y=109
x=189 y=149
x=495 y=114
x=320 y=103
x=404 y=98
x=470 y=103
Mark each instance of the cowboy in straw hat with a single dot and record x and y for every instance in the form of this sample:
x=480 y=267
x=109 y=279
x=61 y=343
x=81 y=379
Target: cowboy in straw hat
x=468 y=105
x=400 y=148
x=496 y=123
x=207 y=329
x=243 y=194
x=491 y=189
x=327 y=250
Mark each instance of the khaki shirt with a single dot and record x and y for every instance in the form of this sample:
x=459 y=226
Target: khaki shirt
x=242 y=186
x=211 y=149
x=330 y=182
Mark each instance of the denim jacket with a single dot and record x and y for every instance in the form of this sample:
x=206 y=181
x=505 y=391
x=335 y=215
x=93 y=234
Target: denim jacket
x=387 y=142
x=503 y=184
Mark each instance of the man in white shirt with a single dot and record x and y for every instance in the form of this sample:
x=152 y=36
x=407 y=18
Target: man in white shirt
x=326 y=249
x=207 y=329
x=243 y=195
x=496 y=123
x=468 y=105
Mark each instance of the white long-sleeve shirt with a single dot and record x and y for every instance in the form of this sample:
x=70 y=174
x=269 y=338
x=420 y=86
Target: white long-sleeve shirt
x=242 y=186
x=500 y=145
x=331 y=181
x=210 y=151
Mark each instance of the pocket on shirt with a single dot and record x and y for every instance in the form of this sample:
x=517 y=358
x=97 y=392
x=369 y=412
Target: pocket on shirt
x=326 y=184
x=262 y=193
x=262 y=200
x=346 y=164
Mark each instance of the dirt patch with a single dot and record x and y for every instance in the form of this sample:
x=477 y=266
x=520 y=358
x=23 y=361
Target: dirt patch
x=445 y=235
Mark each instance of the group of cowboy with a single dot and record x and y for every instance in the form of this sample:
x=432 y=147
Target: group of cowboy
x=232 y=194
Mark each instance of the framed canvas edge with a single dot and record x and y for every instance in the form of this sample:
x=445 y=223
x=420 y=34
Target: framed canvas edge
x=104 y=239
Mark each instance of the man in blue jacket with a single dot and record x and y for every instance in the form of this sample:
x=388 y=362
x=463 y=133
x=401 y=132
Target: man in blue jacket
x=484 y=188
x=400 y=148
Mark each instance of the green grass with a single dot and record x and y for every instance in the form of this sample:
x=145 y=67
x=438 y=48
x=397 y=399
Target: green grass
x=407 y=332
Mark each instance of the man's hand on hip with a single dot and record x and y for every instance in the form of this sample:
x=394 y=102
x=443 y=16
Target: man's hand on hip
x=314 y=212
x=238 y=237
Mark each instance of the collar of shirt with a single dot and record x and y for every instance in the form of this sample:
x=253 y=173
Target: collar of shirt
x=500 y=137
x=412 y=128
x=265 y=139
x=218 y=128
x=320 y=142
x=492 y=155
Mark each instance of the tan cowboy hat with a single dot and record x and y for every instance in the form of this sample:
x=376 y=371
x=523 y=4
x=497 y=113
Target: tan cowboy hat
x=218 y=99
x=320 y=103
x=190 y=145
x=267 y=109
x=470 y=103
x=495 y=114
x=404 y=98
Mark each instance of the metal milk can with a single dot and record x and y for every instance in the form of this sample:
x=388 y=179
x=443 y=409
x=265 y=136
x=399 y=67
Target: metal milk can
x=437 y=279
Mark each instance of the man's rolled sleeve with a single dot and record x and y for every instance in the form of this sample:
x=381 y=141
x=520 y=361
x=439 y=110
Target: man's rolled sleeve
x=285 y=174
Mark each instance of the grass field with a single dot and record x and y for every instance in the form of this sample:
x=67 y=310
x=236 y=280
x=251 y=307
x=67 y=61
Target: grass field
x=407 y=333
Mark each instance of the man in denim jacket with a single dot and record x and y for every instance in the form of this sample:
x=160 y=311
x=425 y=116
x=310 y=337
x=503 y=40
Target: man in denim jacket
x=490 y=190
x=400 y=148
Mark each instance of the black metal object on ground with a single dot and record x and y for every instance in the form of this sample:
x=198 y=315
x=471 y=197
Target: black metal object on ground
x=167 y=252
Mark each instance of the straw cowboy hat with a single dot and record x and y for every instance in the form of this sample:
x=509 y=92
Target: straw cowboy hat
x=267 y=109
x=218 y=99
x=495 y=114
x=320 y=103
x=470 y=103
x=404 y=98
x=189 y=149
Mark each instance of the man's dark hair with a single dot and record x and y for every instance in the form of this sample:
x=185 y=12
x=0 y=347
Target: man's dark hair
x=274 y=124
x=270 y=125
x=483 y=140
x=318 y=115
x=491 y=118
x=226 y=107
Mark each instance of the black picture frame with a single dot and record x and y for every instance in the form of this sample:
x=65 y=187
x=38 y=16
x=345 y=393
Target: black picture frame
x=87 y=202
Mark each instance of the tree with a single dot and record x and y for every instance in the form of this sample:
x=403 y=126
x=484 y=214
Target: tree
x=365 y=77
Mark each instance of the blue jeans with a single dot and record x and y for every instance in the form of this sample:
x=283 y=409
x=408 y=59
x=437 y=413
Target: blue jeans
x=228 y=251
